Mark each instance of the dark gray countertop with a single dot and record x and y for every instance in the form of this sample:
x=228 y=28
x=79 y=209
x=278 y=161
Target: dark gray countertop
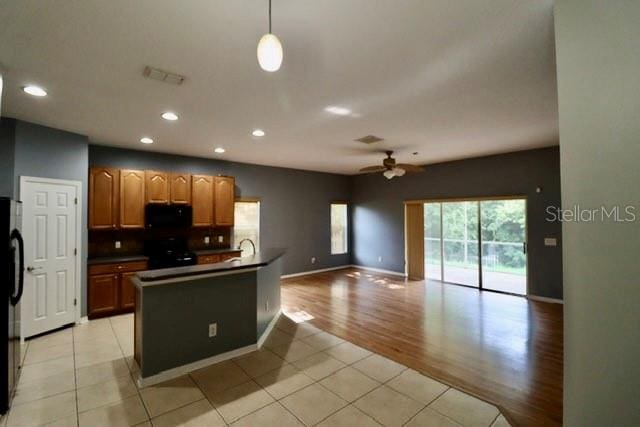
x=215 y=251
x=115 y=259
x=258 y=260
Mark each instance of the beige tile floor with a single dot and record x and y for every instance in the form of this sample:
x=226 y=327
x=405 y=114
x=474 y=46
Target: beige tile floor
x=84 y=376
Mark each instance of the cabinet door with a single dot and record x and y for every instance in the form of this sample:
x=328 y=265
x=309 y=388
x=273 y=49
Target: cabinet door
x=103 y=198
x=202 y=200
x=103 y=294
x=157 y=188
x=225 y=195
x=127 y=291
x=208 y=259
x=180 y=188
x=131 y=199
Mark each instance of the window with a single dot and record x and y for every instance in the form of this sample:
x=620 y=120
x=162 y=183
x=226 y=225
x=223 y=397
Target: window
x=247 y=225
x=339 y=228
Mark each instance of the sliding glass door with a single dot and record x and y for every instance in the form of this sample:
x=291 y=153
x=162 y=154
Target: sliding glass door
x=479 y=243
x=460 y=243
x=504 y=259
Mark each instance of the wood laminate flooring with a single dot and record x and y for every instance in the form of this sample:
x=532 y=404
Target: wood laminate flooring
x=504 y=349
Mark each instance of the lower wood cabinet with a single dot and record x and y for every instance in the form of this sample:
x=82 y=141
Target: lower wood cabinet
x=220 y=257
x=111 y=288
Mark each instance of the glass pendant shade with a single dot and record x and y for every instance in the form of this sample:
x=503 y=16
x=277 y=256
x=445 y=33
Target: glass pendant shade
x=389 y=174
x=270 y=53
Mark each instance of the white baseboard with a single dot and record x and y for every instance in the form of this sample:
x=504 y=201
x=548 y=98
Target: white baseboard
x=545 y=299
x=270 y=327
x=380 y=270
x=82 y=320
x=189 y=367
x=304 y=273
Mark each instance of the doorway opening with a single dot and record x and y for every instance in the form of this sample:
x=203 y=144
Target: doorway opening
x=479 y=243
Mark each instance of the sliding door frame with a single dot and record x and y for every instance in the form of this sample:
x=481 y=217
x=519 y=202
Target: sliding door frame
x=479 y=230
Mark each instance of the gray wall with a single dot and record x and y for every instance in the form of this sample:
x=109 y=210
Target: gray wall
x=50 y=153
x=378 y=209
x=598 y=51
x=7 y=154
x=295 y=204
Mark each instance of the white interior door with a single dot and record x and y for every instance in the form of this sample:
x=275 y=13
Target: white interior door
x=50 y=227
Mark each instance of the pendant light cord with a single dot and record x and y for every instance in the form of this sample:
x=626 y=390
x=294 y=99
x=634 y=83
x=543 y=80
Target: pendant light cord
x=269 y=16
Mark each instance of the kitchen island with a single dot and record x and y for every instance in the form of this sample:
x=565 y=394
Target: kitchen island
x=190 y=317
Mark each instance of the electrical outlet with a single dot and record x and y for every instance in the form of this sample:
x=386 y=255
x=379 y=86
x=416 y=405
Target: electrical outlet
x=313 y=260
x=550 y=241
x=380 y=259
x=266 y=305
x=220 y=239
x=118 y=245
x=213 y=330
x=206 y=240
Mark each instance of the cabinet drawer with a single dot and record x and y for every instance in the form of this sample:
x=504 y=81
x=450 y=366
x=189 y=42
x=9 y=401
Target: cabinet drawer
x=208 y=259
x=230 y=255
x=117 y=268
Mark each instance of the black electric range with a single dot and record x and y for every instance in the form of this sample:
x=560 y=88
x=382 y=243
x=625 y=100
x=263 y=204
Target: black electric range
x=169 y=252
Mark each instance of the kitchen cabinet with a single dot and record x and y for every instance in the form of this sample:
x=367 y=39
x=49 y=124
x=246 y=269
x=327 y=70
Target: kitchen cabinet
x=103 y=294
x=208 y=259
x=103 y=198
x=180 y=188
x=224 y=200
x=202 y=200
x=219 y=257
x=111 y=289
x=132 y=198
x=157 y=187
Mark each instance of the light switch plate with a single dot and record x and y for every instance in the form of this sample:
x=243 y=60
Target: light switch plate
x=220 y=239
x=206 y=240
x=550 y=241
x=313 y=260
x=213 y=330
x=118 y=245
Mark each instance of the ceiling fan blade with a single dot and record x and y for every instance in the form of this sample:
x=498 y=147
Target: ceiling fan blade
x=410 y=168
x=373 y=169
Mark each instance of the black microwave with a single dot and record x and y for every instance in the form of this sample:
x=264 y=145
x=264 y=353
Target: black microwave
x=168 y=216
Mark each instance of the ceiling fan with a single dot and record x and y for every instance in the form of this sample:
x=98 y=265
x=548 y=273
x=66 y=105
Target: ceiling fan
x=390 y=168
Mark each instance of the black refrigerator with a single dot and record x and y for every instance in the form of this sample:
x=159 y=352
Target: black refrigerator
x=12 y=259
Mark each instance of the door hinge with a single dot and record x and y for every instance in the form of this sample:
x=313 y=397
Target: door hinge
x=75 y=200
x=75 y=301
x=75 y=251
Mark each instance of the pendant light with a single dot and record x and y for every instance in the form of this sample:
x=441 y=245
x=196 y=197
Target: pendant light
x=270 y=50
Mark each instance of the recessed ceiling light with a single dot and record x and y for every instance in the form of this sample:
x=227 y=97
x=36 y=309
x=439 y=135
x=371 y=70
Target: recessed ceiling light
x=339 y=111
x=219 y=150
x=146 y=140
x=169 y=115
x=34 y=90
x=258 y=132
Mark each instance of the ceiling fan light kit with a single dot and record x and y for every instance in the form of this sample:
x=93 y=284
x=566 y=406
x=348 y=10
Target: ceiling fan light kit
x=391 y=169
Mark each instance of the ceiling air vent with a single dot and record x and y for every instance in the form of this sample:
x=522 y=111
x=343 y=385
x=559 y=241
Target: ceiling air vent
x=163 y=76
x=369 y=139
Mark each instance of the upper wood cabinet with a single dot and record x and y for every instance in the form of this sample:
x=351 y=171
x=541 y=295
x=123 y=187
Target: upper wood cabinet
x=224 y=200
x=103 y=198
x=157 y=184
x=132 y=198
x=202 y=200
x=180 y=188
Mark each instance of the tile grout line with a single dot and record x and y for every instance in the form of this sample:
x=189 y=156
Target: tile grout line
x=129 y=368
x=75 y=377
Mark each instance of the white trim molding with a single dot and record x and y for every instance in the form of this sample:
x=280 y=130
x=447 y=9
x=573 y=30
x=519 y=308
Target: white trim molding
x=380 y=270
x=270 y=327
x=545 y=299
x=322 y=270
x=170 y=374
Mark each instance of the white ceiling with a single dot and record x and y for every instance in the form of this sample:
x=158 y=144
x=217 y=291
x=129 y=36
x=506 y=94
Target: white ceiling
x=448 y=79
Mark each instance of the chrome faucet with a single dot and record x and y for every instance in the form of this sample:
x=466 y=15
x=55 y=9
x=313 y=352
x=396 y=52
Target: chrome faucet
x=253 y=245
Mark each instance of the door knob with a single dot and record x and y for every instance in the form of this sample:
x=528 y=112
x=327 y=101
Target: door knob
x=30 y=269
